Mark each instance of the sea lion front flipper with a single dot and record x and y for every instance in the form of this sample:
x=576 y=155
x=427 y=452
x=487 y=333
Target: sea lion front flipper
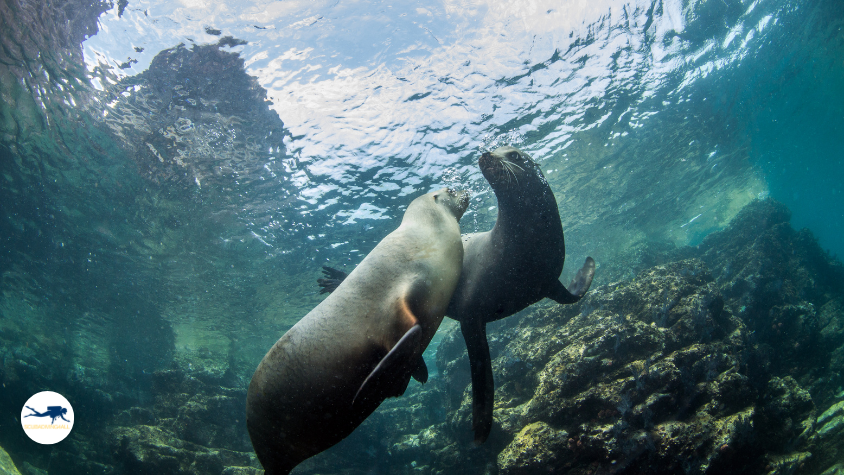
x=578 y=286
x=386 y=378
x=421 y=372
x=333 y=278
x=483 y=386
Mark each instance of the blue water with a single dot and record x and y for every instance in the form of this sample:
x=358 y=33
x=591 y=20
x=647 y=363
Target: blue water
x=187 y=167
x=401 y=101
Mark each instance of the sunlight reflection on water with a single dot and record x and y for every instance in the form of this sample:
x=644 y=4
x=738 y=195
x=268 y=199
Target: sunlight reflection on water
x=385 y=101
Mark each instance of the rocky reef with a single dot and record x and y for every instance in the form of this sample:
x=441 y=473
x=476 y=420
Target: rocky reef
x=725 y=357
x=196 y=425
x=7 y=466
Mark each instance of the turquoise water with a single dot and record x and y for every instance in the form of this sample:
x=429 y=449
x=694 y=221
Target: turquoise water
x=175 y=173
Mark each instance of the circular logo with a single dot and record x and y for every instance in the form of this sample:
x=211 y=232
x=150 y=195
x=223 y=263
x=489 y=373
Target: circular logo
x=47 y=417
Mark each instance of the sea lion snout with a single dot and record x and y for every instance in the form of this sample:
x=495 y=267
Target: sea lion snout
x=462 y=197
x=486 y=161
x=503 y=167
x=456 y=201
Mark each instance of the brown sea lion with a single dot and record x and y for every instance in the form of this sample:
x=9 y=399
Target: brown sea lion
x=360 y=345
x=508 y=268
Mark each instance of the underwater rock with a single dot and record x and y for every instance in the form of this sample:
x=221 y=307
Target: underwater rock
x=147 y=449
x=198 y=409
x=718 y=359
x=776 y=280
x=7 y=467
x=647 y=371
x=723 y=358
x=837 y=469
x=42 y=42
x=828 y=440
x=197 y=118
x=831 y=421
x=786 y=415
x=194 y=426
x=242 y=471
x=29 y=469
x=537 y=448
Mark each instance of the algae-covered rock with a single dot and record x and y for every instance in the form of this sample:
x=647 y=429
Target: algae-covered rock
x=707 y=362
x=29 y=469
x=837 y=469
x=786 y=415
x=831 y=422
x=146 y=449
x=783 y=287
x=794 y=462
x=7 y=467
x=196 y=425
x=647 y=369
x=242 y=471
x=537 y=448
x=723 y=358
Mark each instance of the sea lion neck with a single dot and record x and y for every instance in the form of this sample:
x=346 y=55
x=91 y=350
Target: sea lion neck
x=518 y=207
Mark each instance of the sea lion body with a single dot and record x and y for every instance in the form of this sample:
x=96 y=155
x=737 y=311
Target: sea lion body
x=510 y=267
x=519 y=261
x=505 y=270
x=361 y=344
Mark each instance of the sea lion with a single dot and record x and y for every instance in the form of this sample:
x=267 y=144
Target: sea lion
x=508 y=268
x=333 y=368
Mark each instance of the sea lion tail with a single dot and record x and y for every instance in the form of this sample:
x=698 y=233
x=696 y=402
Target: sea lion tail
x=333 y=278
x=421 y=372
x=578 y=286
x=281 y=469
x=583 y=279
x=269 y=449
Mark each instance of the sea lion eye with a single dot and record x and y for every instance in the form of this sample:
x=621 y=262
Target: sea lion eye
x=513 y=156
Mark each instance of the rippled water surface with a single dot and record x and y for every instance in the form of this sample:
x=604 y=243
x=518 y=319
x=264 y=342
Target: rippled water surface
x=187 y=166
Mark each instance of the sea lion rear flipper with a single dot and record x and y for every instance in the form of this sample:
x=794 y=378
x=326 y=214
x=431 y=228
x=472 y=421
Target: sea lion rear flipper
x=421 y=372
x=483 y=386
x=387 y=378
x=578 y=286
x=333 y=278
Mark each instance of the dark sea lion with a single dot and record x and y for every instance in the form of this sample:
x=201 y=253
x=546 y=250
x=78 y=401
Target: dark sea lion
x=360 y=345
x=508 y=268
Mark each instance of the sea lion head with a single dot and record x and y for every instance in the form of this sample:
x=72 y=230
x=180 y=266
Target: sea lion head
x=439 y=203
x=455 y=201
x=508 y=168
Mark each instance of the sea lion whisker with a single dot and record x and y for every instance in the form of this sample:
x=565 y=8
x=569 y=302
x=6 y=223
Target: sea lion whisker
x=514 y=164
x=508 y=165
x=507 y=172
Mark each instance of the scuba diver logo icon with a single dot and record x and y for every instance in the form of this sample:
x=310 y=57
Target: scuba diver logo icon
x=47 y=404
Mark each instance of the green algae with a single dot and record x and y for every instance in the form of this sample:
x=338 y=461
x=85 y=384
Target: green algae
x=7 y=466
